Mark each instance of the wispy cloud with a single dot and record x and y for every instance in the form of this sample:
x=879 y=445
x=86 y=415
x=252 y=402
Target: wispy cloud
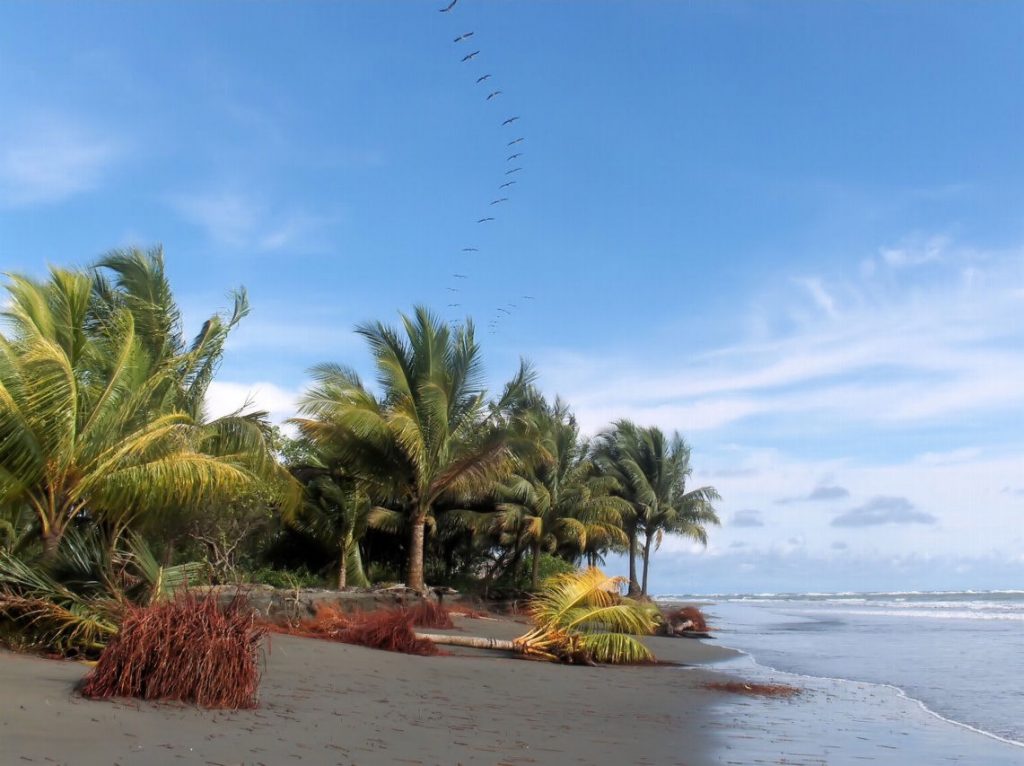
x=883 y=510
x=746 y=518
x=895 y=353
x=241 y=220
x=819 y=493
x=50 y=157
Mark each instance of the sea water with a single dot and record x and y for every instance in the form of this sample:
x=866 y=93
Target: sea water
x=960 y=654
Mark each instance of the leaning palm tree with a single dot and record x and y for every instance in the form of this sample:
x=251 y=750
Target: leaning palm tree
x=580 y=618
x=426 y=435
x=650 y=472
x=87 y=430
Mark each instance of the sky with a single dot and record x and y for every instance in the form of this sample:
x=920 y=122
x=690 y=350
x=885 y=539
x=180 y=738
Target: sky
x=791 y=230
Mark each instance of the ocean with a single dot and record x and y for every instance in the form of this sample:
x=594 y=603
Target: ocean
x=960 y=654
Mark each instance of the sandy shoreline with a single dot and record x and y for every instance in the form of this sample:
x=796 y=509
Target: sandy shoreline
x=325 y=703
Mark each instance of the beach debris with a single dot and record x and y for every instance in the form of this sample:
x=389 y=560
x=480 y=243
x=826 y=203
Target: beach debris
x=387 y=629
x=579 y=618
x=430 y=614
x=753 y=690
x=188 y=649
x=687 y=622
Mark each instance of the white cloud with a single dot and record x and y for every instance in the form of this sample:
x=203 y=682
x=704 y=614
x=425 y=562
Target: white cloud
x=915 y=252
x=909 y=352
x=245 y=221
x=822 y=298
x=49 y=158
x=225 y=397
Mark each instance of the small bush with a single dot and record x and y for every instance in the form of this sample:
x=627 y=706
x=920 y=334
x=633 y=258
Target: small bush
x=285 y=578
x=189 y=649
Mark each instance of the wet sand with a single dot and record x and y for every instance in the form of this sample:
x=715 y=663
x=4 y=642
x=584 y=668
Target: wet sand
x=325 y=703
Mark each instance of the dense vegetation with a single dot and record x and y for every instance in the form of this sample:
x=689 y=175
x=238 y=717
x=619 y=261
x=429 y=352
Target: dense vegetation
x=116 y=487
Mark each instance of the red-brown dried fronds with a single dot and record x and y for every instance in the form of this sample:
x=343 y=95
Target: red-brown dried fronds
x=387 y=629
x=696 y=616
x=430 y=614
x=189 y=649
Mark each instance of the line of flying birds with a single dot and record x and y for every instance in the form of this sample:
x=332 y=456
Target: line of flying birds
x=501 y=312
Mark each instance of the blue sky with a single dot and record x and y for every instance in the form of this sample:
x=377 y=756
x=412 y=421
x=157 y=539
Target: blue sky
x=792 y=230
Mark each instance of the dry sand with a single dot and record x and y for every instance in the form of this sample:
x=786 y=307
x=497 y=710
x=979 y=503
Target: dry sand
x=325 y=703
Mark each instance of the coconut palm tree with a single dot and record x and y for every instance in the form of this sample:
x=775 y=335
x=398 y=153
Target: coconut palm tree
x=577 y=617
x=557 y=501
x=650 y=472
x=335 y=510
x=90 y=427
x=425 y=436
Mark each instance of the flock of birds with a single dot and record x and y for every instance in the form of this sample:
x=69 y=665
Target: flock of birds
x=513 y=146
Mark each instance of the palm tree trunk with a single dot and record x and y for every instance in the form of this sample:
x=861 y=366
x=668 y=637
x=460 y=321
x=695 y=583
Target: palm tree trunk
x=634 y=586
x=535 y=573
x=647 y=562
x=51 y=541
x=414 y=576
x=474 y=642
x=342 y=564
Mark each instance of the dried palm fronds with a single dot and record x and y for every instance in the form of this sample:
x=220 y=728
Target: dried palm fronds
x=430 y=614
x=189 y=649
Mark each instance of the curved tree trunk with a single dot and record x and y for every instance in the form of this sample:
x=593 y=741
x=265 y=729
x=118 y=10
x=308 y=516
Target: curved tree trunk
x=414 y=575
x=51 y=541
x=535 y=570
x=634 y=586
x=474 y=642
x=342 y=563
x=647 y=563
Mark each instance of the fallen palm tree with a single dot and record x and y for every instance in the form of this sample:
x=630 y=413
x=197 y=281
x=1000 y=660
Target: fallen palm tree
x=389 y=629
x=189 y=649
x=578 y=618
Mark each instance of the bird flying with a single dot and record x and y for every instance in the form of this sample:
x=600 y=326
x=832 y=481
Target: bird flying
x=485 y=220
x=514 y=141
x=452 y=289
x=492 y=94
x=513 y=170
x=471 y=249
x=509 y=121
x=481 y=79
x=507 y=183
x=506 y=311
x=528 y=298
x=513 y=156
x=464 y=36
x=469 y=56
x=454 y=305
x=500 y=199
x=450 y=6
x=460 y=276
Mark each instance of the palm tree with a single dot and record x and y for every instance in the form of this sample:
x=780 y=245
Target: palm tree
x=426 y=436
x=651 y=473
x=557 y=502
x=577 y=617
x=336 y=510
x=90 y=427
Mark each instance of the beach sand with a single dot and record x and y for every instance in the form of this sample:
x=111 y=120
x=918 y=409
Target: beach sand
x=326 y=703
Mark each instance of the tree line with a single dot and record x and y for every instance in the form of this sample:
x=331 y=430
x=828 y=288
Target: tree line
x=106 y=446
